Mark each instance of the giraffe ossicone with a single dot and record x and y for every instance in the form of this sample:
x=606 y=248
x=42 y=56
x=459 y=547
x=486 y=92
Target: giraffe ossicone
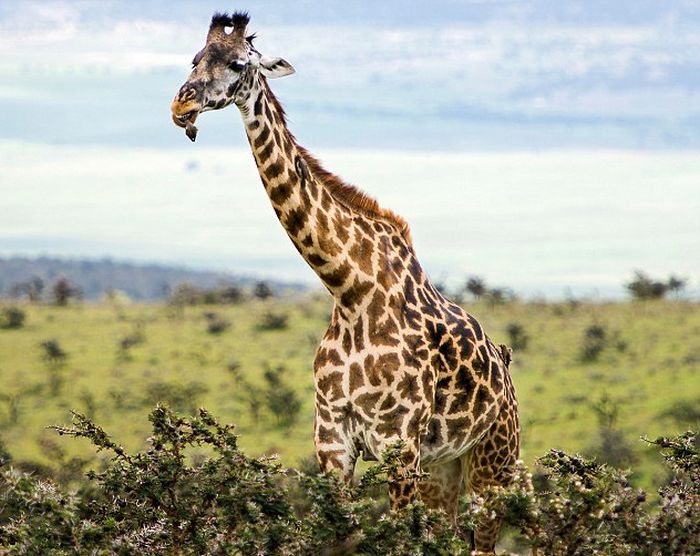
x=399 y=362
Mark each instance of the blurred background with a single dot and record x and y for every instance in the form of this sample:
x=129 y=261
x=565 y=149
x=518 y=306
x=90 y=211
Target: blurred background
x=550 y=146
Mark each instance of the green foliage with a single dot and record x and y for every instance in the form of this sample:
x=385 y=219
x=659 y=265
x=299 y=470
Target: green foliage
x=254 y=397
x=613 y=448
x=36 y=517
x=684 y=412
x=63 y=291
x=158 y=502
x=5 y=456
x=55 y=358
x=216 y=324
x=476 y=286
x=233 y=366
x=136 y=338
x=53 y=353
x=12 y=317
x=644 y=287
x=653 y=377
x=229 y=294
x=478 y=289
x=273 y=321
x=591 y=508
x=282 y=400
x=31 y=289
x=594 y=341
x=263 y=290
x=500 y=296
x=517 y=337
x=162 y=501
x=14 y=399
x=186 y=294
x=181 y=397
x=155 y=502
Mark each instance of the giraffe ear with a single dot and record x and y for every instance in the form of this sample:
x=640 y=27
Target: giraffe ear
x=275 y=67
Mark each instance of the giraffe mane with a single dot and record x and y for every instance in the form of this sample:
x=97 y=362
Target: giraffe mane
x=353 y=197
x=347 y=194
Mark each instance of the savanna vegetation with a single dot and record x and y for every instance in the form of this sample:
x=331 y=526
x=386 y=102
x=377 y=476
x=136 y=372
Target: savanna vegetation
x=592 y=378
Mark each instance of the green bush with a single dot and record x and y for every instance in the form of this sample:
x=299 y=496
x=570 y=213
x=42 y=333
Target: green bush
x=12 y=317
x=612 y=446
x=186 y=294
x=63 y=291
x=684 y=412
x=644 y=287
x=229 y=294
x=476 y=286
x=517 y=337
x=55 y=358
x=273 y=321
x=160 y=501
x=181 y=397
x=263 y=290
x=157 y=502
x=282 y=400
x=136 y=338
x=53 y=353
x=591 y=508
x=594 y=341
x=216 y=324
x=233 y=366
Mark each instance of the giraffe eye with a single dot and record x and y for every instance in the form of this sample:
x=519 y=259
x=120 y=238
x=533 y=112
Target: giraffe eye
x=237 y=66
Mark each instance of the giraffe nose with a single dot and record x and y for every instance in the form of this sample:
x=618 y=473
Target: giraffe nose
x=186 y=105
x=187 y=92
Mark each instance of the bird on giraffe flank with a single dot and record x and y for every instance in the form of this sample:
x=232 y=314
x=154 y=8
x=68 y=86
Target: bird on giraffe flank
x=399 y=362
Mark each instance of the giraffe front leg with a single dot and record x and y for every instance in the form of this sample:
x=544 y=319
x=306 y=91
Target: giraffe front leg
x=335 y=459
x=335 y=452
x=441 y=487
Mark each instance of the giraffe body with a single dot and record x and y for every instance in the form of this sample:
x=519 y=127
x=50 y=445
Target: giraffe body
x=399 y=362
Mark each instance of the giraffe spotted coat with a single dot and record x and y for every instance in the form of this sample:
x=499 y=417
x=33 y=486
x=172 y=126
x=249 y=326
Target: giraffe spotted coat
x=398 y=361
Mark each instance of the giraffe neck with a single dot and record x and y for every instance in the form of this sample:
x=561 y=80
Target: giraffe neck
x=348 y=249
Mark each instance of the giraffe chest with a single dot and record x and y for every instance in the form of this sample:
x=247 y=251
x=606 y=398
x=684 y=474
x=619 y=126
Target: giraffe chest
x=435 y=384
x=369 y=395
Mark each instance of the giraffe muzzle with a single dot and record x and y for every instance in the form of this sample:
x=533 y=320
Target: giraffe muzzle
x=184 y=113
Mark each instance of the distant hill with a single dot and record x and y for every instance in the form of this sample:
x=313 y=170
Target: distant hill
x=94 y=277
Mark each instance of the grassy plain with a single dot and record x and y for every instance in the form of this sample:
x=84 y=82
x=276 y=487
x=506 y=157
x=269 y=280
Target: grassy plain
x=649 y=367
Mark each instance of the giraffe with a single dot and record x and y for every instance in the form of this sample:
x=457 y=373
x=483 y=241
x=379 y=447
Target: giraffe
x=399 y=362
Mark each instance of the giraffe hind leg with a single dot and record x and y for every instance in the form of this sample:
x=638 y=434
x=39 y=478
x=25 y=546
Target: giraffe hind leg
x=442 y=487
x=490 y=463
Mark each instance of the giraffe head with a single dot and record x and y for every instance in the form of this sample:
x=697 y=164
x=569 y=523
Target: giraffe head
x=223 y=72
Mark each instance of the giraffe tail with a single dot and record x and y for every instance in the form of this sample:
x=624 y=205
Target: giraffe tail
x=506 y=354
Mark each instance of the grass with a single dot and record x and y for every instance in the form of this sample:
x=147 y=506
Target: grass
x=650 y=366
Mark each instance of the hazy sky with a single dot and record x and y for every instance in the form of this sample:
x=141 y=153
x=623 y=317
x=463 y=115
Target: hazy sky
x=559 y=140
x=460 y=74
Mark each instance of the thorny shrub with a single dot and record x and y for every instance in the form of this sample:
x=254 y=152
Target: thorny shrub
x=166 y=501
